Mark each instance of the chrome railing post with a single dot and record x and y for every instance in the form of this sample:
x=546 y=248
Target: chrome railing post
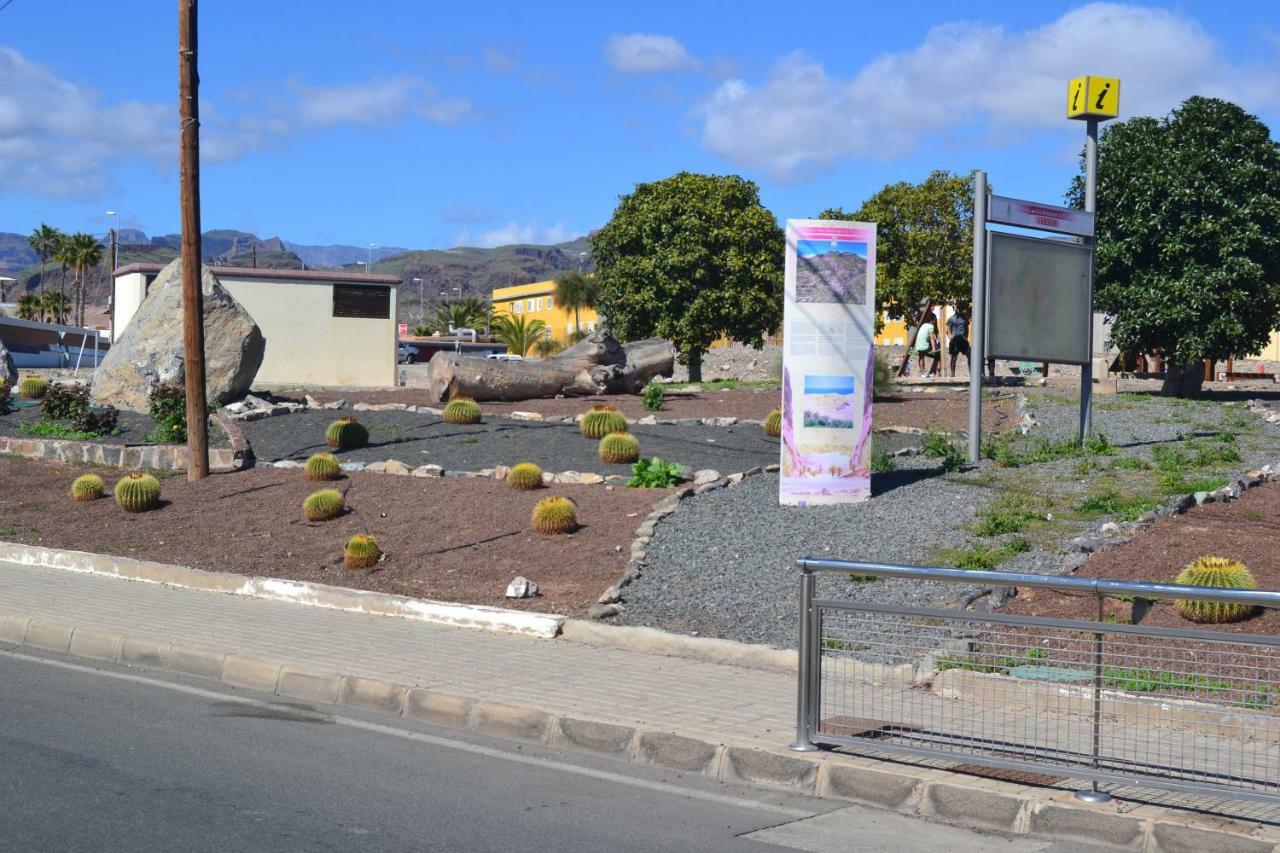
x=806 y=686
x=1092 y=794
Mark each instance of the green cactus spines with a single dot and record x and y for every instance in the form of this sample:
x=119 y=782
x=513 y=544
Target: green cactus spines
x=323 y=505
x=138 y=492
x=463 y=410
x=32 y=387
x=555 y=515
x=322 y=467
x=598 y=423
x=1219 y=572
x=773 y=423
x=346 y=434
x=362 y=552
x=525 y=476
x=619 y=448
x=87 y=488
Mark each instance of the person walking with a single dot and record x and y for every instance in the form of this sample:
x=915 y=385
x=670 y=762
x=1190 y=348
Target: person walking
x=958 y=333
x=927 y=345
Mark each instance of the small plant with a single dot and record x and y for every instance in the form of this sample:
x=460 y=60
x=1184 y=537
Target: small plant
x=555 y=515
x=1099 y=445
x=655 y=474
x=322 y=467
x=1130 y=463
x=346 y=434
x=599 y=422
x=881 y=376
x=773 y=423
x=525 y=476
x=653 y=397
x=323 y=505
x=362 y=552
x=882 y=463
x=64 y=402
x=87 y=488
x=138 y=492
x=936 y=445
x=1216 y=572
x=32 y=387
x=1084 y=467
x=5 y=397
x=619 y=448
x=96 y=422
x=1009 y=514
x=167 y=403
x=463 y=410
x=1108 y=501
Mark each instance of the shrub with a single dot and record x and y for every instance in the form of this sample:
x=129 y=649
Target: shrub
x=346 y=434
x=322 y=467
x=1217 y=572
x=323 y=505
x=555 y=515
x=463 y=410
x=1108 y=501
x=882 y=462
x=619 y=448
x=167 y=403
x=96 y=422
x=87 y=488
x=33 y=387
x=882 y=376
x=362 y=552
x=598 y=423
x=64 y=402
x=1099 y=445
x=5 y=397
x=655 y=474
x=773 y=423
x=936 y=445
x=138 y=492
x=653 y=397
x=525 y=476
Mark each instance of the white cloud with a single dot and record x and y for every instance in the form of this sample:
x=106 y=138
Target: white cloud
x=639 y=53
x=513 y=233
x=801 y=120
x=376 y=102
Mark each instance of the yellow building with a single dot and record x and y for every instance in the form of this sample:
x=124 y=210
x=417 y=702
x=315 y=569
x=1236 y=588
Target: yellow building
x=537 y=301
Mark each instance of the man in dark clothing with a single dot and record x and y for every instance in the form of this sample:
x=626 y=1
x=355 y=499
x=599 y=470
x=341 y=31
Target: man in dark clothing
x=958 y=331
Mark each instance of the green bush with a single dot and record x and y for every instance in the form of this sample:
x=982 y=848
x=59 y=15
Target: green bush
x=655 y=474
x=167 y=403
x=882 y=376
x=1099 y=445
x=6 y=398
x=1131 y=463
x=64 y=402
x=653 y=397
x=881 y=462
x=937 y=445
x=1216 y=572
x=138 y=493
x=1113 y=503
x=555 y=515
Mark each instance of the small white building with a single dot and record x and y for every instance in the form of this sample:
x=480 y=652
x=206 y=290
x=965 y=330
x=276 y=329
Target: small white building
x=322 y=327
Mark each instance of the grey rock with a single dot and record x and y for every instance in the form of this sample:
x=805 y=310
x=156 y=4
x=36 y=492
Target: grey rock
x=1084 y=544
x=521 y=587
x=428 y=471
x=648 y=420
x=1072 y=562
x=150 y=348
x=604 y=611
x=8 y=373
x=1202 y=498
x=612 y=595
x=286 y=463
x=352 y=466
x=1109 y=528
x=336 y=404
x=772 y=467
x=706 y=475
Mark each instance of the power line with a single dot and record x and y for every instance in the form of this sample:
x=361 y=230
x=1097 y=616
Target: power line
x=5 y=5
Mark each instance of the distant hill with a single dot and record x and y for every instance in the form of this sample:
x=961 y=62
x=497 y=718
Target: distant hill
x=15 y=253
x=335 y=256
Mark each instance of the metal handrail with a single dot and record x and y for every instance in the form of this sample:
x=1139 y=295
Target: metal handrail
x=1103 y=587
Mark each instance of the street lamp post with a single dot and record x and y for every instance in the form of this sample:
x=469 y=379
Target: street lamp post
x=114 y=254
x=368 y=259
x=422 y=300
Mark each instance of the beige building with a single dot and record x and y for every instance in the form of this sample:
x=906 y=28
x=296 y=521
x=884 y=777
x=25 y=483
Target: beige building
x=322 y=327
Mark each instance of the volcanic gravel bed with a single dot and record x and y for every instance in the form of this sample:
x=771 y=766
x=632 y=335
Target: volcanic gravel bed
x=420 y=439
x=132 y=428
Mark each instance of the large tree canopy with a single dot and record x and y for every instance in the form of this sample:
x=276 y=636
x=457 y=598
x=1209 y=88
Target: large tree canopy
x=924 y=241
x=691 y=258
x=1188 y=232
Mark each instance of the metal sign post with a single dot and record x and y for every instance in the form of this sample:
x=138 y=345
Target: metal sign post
x=978 y=310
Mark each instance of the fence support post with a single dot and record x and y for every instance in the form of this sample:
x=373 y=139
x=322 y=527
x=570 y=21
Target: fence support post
x=1092 y=794
x=806 y=687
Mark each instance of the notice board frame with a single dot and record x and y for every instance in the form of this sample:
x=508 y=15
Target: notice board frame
x=1002 y=342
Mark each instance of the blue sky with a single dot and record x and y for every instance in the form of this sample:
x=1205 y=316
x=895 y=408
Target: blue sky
x=432 y=125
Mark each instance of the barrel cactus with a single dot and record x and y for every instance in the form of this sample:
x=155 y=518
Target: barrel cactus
x=138 y=493
x=362 y=552
x=619 y=448
x=346 y=434
x=87 y=488
x=1218 y=572
x=555 y=515
x=323 y=466
x=773 y=423
x=600 y=421
x=32 y=387
x=463 y=410
x=525 y=476
x=323 y=505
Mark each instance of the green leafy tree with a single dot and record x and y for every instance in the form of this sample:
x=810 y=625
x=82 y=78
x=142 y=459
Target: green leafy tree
x=44 y=242
x=54 y=307
x=924 y=241
x=691 y=258
x=1188 y=233
x=468 y=313
x=63 y=254
x=518 y=332
x=84 y=252
x=29 y=307
x=577 y=291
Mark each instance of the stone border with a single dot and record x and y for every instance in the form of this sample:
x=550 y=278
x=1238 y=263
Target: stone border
x=930 y=793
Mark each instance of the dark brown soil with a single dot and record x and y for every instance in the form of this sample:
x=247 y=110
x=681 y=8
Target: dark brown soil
x=1247 y=530
x=456 y=540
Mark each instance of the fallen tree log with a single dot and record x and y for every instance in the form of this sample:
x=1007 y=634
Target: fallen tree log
x=598 y=364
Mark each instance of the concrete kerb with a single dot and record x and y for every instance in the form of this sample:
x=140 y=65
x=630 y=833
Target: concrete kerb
x=925 y=792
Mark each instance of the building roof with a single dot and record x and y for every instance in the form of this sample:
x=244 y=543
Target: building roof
x=533 y=288
x=263 y=272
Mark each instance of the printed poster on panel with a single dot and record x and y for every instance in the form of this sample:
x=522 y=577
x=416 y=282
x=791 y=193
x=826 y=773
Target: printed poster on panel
x=827 y=367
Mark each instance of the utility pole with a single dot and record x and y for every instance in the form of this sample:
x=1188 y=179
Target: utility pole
x=192 y=294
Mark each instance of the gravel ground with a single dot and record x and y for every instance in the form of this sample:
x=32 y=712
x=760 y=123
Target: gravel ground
x=417 y=439
x=131 y=427
x=722 y=564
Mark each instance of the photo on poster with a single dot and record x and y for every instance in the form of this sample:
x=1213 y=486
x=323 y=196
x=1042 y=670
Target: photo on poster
x=831 y=271
x=829 y=402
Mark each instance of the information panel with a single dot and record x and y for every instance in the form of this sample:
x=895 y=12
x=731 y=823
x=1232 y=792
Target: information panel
x=827 y=365
x=1039 y=299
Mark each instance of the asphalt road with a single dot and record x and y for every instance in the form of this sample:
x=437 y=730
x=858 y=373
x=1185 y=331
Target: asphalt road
x=107 y=759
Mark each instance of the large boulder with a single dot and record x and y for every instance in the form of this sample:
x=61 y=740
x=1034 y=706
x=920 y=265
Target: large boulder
x=150 y=348
x=8 y=373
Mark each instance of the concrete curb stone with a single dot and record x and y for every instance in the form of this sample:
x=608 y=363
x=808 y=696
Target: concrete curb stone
x=442 y=709
x=593 y=736
x=144 y=653
x=198 y=662
x=251 y=673
x=309 y=686
x=372 y=694
x=48 y=636
x=676 y=752
x=769 y=768
x=95 y=645
x=1079 y=821
x=513 y=721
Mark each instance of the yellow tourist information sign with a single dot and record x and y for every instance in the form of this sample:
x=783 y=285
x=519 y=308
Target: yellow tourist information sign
x=1093 y=98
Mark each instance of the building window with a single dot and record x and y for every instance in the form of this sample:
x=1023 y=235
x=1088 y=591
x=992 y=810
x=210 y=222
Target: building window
x=568 y=330
x=530 y=306
x=361 y=300
x=591 y=326
x=551 y=302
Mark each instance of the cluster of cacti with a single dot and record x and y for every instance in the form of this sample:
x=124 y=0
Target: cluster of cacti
x=87 y=488
x=32 y=387
x=773 y=423
x=601 y=421
x=1218 y=572
x=525 y=476
x=323 y=505
x=555 y=515
x=362 y=552
x=346 y=434
x=619 y=448
x=322 y=467
x=138 y=492
x=463 y=410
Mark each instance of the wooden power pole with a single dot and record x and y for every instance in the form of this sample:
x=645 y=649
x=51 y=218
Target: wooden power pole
x=192 y=294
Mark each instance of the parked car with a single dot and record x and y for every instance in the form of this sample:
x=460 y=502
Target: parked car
x=504 y=356
x=406 y=354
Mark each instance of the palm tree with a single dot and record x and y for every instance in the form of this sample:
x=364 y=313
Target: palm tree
x=577 y=291
x=29 y=307
x=44 y=242
x=54 y=307
x=518 y=332
x=469 y=313
x=547 y=346
x=85 y=253
x=62 y=254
